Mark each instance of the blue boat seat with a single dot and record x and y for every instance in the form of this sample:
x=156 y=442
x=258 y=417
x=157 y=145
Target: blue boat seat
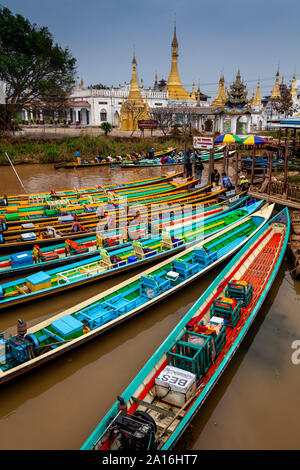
x=156 y=283
x=185 y=269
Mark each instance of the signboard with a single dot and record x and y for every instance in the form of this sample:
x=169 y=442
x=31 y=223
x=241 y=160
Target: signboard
x=203 y=142
x=230 y=193
x=147 y=124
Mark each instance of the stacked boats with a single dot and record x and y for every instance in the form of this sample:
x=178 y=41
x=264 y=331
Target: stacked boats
x=182 y=245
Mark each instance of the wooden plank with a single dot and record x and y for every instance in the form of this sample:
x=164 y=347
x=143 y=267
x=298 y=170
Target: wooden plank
x=277 y=200
x=154 y=407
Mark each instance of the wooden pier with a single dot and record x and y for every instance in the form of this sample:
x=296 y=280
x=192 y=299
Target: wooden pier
x=275 y=198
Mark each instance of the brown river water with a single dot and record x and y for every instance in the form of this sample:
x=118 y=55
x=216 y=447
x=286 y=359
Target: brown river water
x=255 y=404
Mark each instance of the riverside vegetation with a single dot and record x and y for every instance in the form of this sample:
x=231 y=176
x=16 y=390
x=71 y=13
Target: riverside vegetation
x=31 y=150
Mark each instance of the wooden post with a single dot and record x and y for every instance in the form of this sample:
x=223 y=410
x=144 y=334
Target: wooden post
x=286 y=160
x=211 y=164
x=236 y=168
x=252 y=167
x=270 y=172
x=224 y=159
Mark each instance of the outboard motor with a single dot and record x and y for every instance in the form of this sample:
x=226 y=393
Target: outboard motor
x=135 y=432
x=3 y=201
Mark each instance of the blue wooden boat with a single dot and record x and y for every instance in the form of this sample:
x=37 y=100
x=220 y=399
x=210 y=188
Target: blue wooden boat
x=135 y=254
x=81 y=323
x=167 y=393
x=61 y=254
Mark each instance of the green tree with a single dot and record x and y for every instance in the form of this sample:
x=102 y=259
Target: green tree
x=34 y=68
x=284 y=104
x=106 y=127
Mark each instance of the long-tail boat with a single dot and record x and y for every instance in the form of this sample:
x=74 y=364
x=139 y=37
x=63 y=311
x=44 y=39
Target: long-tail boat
x=79 y=324
x=42 y=196
x=86 y=247
x=156 y=163
x=130 y=193
x=87 y=163
x=158 y=405
x=9 y=242
x=46 y=283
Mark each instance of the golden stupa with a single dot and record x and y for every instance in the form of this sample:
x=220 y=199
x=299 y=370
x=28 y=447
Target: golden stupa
x=134 y=108
x=220 y=98
x=174 y=85
x=257 y=100
x=293 y=89
x=276 y=90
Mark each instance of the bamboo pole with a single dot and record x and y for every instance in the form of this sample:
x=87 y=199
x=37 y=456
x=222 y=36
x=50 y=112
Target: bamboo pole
x=15 y=171
x=236 y=168
x=252 y=167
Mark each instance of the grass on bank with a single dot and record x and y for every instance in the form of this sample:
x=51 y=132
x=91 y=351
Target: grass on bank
x=24 y=149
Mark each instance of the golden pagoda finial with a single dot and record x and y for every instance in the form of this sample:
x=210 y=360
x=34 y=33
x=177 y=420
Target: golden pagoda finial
x=257 y=100
x=221 y=96
x=276 y=91
x=142 y=83
x=293 y=89
x=174 y=85
x=81 y=83
x=193 y=96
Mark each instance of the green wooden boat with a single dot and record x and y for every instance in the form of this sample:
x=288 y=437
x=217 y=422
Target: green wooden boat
x=156 y=408
x=79 y=324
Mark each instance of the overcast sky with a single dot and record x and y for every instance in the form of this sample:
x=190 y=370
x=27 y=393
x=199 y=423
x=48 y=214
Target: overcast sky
x=215 y=36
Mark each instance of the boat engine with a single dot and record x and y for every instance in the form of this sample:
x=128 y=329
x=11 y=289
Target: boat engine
x=23 y=348
x=135 y=432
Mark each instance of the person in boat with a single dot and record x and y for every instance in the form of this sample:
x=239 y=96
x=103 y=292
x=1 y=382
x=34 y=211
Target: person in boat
x=226 y=181
x=78 y=156
x=77 y=227
x=199 y=168
x=99 y=158
x=151 y=154
x=163 y=159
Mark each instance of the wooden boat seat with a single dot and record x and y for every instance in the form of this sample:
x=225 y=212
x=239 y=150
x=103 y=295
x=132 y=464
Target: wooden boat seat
x=139 y=251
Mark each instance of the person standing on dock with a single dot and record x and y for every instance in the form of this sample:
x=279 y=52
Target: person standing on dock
x=199 y=167
x=188 y=166
x=215 y=177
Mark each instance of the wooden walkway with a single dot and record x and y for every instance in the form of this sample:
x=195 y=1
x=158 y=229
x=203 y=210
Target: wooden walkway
x=275 y=198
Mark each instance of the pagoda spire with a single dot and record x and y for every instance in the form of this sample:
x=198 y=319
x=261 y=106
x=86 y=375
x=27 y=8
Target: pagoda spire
x=220 y=97
x=257 y=100
x=193 y=96
x=174 y=85
x=293 y=89
x=276 y=91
